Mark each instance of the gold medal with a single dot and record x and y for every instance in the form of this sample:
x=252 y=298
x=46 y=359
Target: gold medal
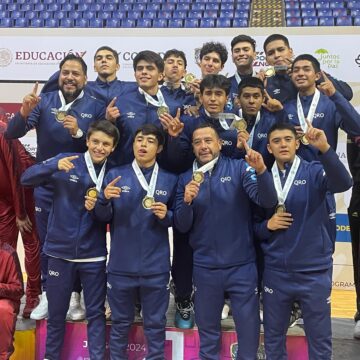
x=240 y=125
x=280 y=209
x=147 y=202
x=198 y=177
x=270 y=71
x=189 y=78
x=162 y=110
x=304 y=140
x=60 y=115
x=92 y=192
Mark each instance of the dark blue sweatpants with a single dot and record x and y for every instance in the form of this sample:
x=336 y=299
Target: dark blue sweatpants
x=61 y=277
x=312 y=290
x=240 y=282
x=122 y=293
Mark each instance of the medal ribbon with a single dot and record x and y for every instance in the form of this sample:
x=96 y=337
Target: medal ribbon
x=158 y=103
x=311 y=113
x=64 y=105
x=98 y=180
x=238 y=78
x=207 y=167
x=222 y=118
x=282 y=193
x=251 y=135
x=149 y=188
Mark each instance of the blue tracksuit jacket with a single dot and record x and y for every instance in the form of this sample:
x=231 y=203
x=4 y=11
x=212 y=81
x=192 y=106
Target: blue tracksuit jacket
x=139 y=240
x=219 y=217
x=306 y=244
x=72 y=231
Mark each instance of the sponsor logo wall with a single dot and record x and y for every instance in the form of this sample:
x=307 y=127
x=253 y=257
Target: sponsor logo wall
x=22 y=61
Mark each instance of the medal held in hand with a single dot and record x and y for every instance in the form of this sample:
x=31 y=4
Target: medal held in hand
x=280 y=209
x=147 y=202
x=60 y=115
x=198 y=177
x=92 y=192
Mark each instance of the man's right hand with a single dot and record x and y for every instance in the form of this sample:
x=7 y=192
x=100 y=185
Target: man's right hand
x=112 y=112
x=112 y=191
x=241 y=137
x=65 y=164
x=29 y=102
x=191 y=191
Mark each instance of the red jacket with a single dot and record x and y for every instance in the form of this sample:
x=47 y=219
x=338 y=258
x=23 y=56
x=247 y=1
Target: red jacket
x=11 y=281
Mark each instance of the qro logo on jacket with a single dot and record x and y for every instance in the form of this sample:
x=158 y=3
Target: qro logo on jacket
x=224 y=179
x=299 y=182
x=161 y=192
x=268 y=290
x=54 y=273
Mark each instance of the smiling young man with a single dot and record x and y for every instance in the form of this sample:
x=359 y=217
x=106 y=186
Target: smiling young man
x=137 y=201
x=76 y=248
x=297 y=247
x=61 y=119
x=280 y=55
x=243 y=54
x=213 y=201
x=143 y=105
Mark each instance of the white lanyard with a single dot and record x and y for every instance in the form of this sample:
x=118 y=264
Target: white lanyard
x=238 y=78
x=158 y=103
x=149 y=188
x=251 y=135
x=282 y=193
x=98 y=180
x=64 y=105
x=207 y=167
x=311 y=113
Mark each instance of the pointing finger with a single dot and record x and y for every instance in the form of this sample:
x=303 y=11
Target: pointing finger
x=112 y=102
x=113 y=182
x=35 y=89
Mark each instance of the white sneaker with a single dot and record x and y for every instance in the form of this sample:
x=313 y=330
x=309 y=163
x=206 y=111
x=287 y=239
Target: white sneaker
x=41 y=311
x=76 y=311
x=357 y=330
x=225 y=312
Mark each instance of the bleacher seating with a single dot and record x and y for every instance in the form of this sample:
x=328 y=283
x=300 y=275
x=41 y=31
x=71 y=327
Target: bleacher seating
x=169 y=13
x=322 y=13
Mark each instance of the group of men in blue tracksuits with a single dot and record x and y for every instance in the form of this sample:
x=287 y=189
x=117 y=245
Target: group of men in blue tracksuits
x=220 y=169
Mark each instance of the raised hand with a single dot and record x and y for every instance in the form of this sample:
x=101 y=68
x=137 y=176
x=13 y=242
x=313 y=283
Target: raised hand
x=316 y=137
x=30 y=101
x=254 y=159
x=112 y=191
x=65 y=164
x=112 y=112
x=326 y=87
x=172 y=125
x=159 y=209
x=242 y=136
x=271 y=104
x=191 y=191
x=70 y=122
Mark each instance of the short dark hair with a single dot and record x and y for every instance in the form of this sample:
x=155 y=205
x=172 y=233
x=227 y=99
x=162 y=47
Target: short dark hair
x=243 y=38
x=108 y=48
x=315 y=63
x=275 y=37
x=206 y=125
x=106 y=127
x=73 y=57
x=253 y=82
x=151 y=57
x=282 y=126
x=212 y=81
x=176 y=53
x=150 y=129
x=217 y=47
